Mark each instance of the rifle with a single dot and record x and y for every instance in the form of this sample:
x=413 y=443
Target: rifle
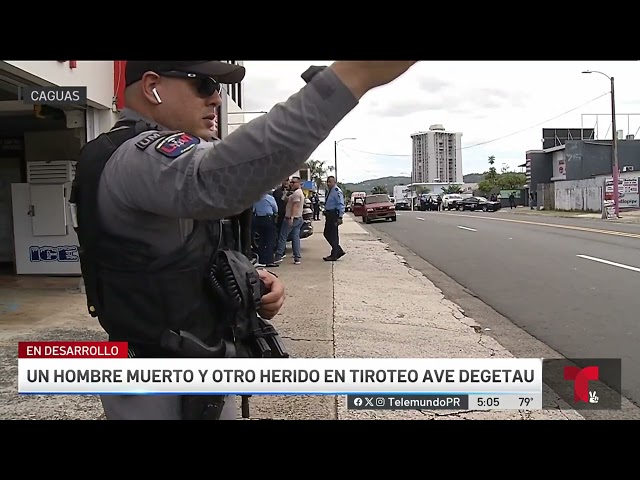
x=238 y=290
x=260 y=339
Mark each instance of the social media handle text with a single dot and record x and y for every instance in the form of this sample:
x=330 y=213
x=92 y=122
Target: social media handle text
x=408 y=402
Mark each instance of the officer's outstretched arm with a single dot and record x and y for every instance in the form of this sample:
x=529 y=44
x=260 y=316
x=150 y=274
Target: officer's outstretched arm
x=180 y=176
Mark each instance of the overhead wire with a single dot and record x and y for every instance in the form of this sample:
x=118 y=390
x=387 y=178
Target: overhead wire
x=488 y=141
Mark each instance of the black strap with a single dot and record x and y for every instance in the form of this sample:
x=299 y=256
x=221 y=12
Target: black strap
x=84 y=195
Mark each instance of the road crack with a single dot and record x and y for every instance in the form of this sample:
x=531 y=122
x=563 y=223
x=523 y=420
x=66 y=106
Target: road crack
x=294 y=339
x=435 y=415
x=336 y=405
x=491 y=350
x=419 y=325
x=561 y=411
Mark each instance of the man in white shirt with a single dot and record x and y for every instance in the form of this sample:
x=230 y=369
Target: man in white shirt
x=292 y=222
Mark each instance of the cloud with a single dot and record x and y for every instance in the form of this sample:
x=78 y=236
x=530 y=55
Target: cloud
x=265 y=93
x=433 y=84
x=434 y=95
x=405 y=106
x=483 y=100
x=268 y=83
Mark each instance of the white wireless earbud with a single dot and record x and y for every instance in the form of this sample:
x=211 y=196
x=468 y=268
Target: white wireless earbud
x=155 y=94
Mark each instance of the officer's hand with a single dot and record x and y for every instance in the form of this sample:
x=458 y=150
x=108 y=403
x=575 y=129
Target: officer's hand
x=272 y=301
x=361 y=76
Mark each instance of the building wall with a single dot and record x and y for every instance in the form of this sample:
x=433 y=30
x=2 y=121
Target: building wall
x=97 y=76
x=236 y=91
x=230 y=116
x=541 y=168
x=592 y=158
x=419 y=158
x=584 y=195
x=559 y=168
x=437 y=187
x=105 y=95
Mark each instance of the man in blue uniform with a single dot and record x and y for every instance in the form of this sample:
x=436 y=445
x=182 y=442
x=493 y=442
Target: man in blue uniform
x=333 y=210
x=265 y=212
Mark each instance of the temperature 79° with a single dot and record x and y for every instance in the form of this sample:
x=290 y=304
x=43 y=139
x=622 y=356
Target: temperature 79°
x=525 y=401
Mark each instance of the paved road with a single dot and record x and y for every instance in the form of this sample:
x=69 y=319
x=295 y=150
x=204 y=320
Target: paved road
x=573 y=284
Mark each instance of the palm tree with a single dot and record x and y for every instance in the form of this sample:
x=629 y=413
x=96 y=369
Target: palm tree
x=379 y=189
x=318 y=171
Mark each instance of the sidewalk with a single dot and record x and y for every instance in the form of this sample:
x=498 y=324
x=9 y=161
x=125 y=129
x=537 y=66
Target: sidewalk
x=628 y=217
x=401 y=314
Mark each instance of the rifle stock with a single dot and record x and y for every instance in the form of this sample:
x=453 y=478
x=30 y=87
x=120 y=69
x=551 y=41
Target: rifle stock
x=264 y=340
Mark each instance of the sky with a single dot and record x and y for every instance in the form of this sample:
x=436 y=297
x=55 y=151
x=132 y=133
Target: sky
x=499 y=107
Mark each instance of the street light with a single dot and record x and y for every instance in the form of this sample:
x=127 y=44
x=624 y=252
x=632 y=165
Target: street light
x=335 y=155
x=614 y=145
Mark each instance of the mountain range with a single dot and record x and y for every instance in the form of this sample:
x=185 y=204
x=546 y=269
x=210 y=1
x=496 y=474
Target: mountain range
x=390 y=182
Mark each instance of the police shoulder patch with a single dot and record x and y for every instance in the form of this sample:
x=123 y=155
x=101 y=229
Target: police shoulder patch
x=177 y=144
x=150 y=138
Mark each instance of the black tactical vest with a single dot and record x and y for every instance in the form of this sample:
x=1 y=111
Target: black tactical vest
x=138 y=297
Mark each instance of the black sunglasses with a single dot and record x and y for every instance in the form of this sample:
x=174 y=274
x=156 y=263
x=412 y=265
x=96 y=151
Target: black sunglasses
x=206 y=86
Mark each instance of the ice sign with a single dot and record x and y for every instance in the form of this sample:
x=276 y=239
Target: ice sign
x=66 y=253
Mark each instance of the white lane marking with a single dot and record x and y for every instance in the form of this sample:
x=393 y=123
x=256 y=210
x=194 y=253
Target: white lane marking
x=607 y=262
x=467 y=228
x=419 y=218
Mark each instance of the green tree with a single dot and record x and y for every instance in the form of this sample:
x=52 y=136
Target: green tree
x=485 y=186
x=505 y=180
x=449 y=189
x=379 y=189
x=511 y=180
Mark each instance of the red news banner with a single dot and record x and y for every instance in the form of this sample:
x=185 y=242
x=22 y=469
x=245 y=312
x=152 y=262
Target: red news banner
x=73 y=350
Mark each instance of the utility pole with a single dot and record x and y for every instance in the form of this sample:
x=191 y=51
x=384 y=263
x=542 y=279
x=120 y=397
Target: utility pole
x=614 y=146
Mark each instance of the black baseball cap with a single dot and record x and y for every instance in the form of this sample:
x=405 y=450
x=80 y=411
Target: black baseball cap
x=222 y=72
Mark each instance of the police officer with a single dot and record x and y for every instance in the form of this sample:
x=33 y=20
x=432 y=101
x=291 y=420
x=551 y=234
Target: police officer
x=315 y=203
x=146 y=226
x=334 y=211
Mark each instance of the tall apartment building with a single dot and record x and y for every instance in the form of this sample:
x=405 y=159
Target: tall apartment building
x=436 y=156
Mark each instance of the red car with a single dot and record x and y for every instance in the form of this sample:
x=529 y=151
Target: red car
x=378 y=207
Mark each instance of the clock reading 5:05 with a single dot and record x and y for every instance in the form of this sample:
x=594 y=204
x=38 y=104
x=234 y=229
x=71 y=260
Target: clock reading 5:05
x=488 y=402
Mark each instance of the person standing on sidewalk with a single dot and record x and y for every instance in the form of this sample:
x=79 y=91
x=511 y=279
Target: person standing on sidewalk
x=280 y=194
x=292 y=222
x=315 y=203
x=264 y=221
x=333 y=211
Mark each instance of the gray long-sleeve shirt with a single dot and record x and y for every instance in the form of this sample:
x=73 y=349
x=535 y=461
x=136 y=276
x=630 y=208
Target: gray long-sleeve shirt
x=149 y=194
